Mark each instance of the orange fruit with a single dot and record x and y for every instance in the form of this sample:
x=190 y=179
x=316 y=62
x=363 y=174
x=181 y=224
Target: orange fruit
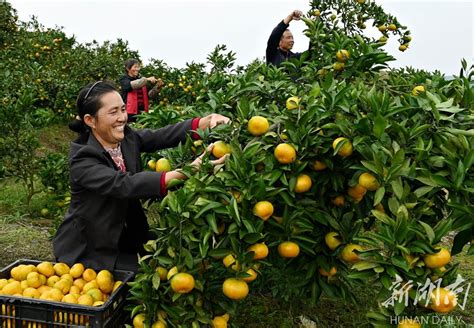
x=219 y=322
x=437 y=260
x=263 y=209
x=61 y=268
x=331 y=272
x=105 y=280
x=408 y=323
x=139 y=319
x=338 y=200
x=442 y=300
x=260 y=251
x=342 y=55
x=230 y=261
x=162 y=272
x=346 y=149
x=357 y=192
x=392 y=27
x=45 y=268
x=292 y=103
x=285 y=153
x=182 y=283
x=220 y=149
x=368 y=181
x=253 y=275
x=338 y=66
x=319 y=166
x=288 y=249
x=258 y=125
x=163 y=165
x=235 y=289
x=89 y=274
x=331 y=240
x=348 y=253
x=303 y=183
x=417 y=90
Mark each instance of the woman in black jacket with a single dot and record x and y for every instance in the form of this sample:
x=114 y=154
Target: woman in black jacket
x=105 y=226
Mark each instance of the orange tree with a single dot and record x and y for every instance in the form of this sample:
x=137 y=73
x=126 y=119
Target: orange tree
x=363 y=171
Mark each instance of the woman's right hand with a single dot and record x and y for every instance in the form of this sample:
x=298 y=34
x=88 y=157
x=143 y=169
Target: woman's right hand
x=198 y=161
x=151 y=79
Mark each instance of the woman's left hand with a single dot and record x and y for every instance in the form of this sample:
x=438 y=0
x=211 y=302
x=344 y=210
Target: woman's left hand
x=212 y=120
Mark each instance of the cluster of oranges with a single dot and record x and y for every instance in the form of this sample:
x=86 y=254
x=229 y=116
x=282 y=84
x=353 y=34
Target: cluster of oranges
x=60 y=283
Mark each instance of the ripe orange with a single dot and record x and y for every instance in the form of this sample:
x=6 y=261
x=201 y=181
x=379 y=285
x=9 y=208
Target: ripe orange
x=220 y=149
x=348 y=253
x=408 y=323
x=219 y=322
x=182 y=283
x=263 y=209
x=357 y=192
x=346 y=149
x=288 y=249
x=235 y=289
x=403 y=47
x=258 y=125
x=158 y=324
x=392 y=27
x=151 y=164
x=162 y=272
x=163 y=165
x=368 y=181
x=331 y=240
x=319 y=166
x=382 y=28
x=253 y=275
x=331 y=272
x=338 y=66
x=437 y=260
x=338 y=200
x=292 y=103
x=285 y=153
x=342 y=55
x=139 y=321
x=442 y=300
x=230 y=261
x=417 y=90
x=260 y=251
x=303 y=183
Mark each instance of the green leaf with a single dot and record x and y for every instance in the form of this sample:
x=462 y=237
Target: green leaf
x=429 y=231
x=208 y=207
x=422 y=191
x=379 y=195
x=155 y=280
x=397 y=188
x=399 y=307
x=364 y=265
x=461 y=239
x=379 y=126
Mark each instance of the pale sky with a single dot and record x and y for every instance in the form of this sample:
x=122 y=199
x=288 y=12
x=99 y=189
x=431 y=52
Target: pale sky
x=180 y=31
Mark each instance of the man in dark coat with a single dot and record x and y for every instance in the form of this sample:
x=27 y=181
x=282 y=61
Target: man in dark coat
x=281 y=41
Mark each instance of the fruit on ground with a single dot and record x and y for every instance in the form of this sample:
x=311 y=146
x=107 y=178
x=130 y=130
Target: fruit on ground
x=182 y=283
x=348 y=253
x=368 y=181
x=258 y=125
x=331 y=240
x=303 y=183
x=163 y=165
x=442 y=300
x=220 y=149
x=346 y=149
x=285 y=153
x=263 y=209
x=437 y=260
x=235 y=289
x=292 y=103
x=288 y=249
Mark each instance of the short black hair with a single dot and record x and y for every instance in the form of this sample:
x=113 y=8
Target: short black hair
x=130 y=62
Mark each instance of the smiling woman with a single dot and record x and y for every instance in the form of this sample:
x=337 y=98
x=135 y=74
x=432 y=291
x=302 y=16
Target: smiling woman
x=105 y=226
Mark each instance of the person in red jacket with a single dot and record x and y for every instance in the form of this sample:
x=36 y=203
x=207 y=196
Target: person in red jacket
x=134 y=89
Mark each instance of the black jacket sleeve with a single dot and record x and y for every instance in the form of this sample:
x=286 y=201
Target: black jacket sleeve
x=274 y=41
x=125 y=84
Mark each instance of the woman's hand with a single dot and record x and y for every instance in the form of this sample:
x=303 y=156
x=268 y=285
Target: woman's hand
x=198 y=161
x=151 y=79
x=212 y=120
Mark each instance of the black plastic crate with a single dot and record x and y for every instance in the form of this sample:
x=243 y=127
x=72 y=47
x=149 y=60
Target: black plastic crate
x=18 y=312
